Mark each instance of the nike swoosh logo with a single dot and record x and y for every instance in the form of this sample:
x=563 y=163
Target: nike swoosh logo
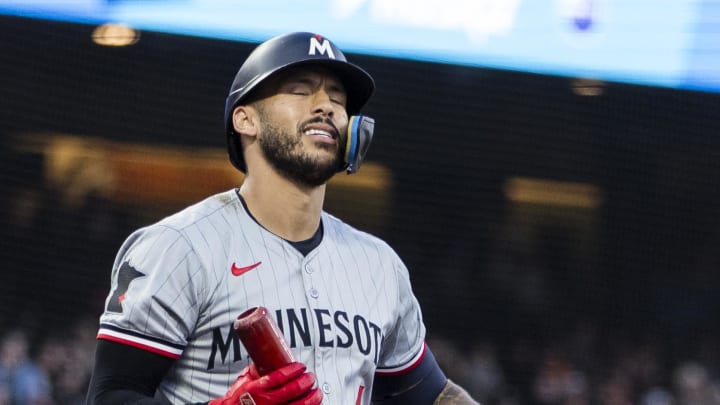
x=238 y=271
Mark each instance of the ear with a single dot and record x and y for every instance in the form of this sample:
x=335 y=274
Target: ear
x=244 y=120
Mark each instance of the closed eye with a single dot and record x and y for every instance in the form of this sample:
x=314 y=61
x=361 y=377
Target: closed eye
x=299 y=86
x=299 y=90
x=305 y=86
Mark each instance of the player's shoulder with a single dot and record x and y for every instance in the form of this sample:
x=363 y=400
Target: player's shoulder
x=208 y=209
x=342 y=232
x=208 y=213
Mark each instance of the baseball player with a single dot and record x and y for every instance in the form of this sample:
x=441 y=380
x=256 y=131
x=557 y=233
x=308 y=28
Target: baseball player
x=342 y=298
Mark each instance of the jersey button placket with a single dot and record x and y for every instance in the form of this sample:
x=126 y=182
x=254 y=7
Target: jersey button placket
x=309 y=270
x=314 y=300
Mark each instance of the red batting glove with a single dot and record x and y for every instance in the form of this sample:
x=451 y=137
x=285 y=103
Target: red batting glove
x=289 y=385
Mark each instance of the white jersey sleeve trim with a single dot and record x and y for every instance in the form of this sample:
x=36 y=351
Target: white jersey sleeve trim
x=145 y=343
x=414 y=362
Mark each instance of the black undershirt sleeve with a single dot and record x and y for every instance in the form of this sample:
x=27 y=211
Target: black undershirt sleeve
x=126 y=375
x=418 y=386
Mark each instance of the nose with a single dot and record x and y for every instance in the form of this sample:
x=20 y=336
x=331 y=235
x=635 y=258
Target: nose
x=322 y=104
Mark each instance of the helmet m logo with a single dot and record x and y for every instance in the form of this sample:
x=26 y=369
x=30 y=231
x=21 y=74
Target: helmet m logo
x=322 y=48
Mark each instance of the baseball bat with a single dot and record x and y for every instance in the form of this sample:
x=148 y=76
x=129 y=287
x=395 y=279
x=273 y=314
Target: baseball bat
x=263 y=340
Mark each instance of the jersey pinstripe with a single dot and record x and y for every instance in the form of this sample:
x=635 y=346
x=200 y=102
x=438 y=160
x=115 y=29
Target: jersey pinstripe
x=346 y=309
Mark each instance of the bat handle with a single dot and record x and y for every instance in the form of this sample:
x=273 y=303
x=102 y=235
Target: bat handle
x=263 y=340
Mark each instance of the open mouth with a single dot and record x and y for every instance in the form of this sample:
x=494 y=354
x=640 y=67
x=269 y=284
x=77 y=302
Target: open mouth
x=320 y=132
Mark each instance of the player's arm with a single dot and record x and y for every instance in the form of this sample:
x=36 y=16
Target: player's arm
x=407 y=372
x=453 y=394
x=130 y=376
x=421 y=381
x=125 y=374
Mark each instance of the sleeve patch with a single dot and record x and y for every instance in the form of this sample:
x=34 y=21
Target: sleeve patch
x=126 y=275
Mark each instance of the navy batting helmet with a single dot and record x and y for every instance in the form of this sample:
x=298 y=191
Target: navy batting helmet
x=282 y=52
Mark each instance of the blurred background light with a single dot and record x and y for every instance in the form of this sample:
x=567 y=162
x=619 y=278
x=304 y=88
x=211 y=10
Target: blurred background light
x=112 y=34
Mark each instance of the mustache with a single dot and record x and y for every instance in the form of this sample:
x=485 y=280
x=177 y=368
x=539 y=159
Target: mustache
x=320 y=120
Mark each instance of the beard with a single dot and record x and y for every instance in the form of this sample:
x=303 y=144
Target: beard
x=284 y=151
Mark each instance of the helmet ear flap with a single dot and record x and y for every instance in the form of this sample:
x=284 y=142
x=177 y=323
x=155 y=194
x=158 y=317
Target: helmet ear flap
x=360 y=134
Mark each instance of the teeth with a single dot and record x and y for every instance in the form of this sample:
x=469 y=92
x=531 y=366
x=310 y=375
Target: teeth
x=318 y=132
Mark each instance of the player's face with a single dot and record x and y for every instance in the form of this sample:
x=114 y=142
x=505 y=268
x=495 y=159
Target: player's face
x=303 y=124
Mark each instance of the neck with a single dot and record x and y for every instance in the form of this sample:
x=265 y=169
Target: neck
x=284 y=208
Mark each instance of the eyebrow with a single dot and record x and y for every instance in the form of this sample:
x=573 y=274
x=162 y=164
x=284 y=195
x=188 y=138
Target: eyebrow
x=307 y=78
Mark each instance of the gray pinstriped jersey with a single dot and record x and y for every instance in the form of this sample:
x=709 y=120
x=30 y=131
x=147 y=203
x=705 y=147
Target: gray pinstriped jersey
x=346 y=309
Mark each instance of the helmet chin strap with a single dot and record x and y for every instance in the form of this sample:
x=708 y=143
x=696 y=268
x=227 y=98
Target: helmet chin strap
x=360 y=133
